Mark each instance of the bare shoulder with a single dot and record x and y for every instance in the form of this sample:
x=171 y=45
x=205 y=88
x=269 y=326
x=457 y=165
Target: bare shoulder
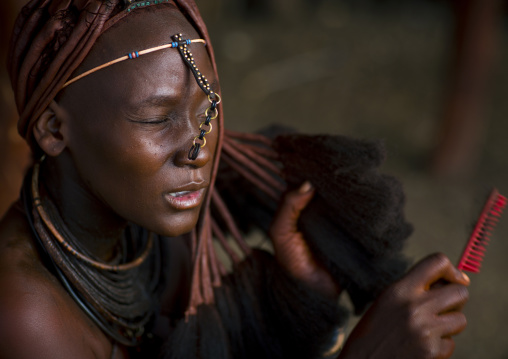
x=37 y=317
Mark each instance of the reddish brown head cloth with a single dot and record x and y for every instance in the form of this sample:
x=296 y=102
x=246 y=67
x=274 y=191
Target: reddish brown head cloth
x=51 y=38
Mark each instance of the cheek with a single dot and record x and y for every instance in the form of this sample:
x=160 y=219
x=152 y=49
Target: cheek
x=129 y=168
x=115 y=162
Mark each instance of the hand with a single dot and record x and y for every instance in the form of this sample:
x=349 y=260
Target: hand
x=291 y=250
x=415 y=317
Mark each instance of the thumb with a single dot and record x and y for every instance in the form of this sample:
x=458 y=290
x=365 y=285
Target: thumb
x=286 y=218
x=433 y=268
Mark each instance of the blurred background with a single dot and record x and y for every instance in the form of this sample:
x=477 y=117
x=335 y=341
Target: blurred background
x=428 y=77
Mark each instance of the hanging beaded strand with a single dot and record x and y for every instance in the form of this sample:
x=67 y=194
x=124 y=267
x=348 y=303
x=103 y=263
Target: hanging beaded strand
x=179 y=43
x=132 y=56
x=212 y=112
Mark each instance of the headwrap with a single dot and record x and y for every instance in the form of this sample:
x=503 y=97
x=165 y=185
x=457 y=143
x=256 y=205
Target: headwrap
x=51 y=38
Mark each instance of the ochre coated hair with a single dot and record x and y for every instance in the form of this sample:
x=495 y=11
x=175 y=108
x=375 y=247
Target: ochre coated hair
x=51 y=38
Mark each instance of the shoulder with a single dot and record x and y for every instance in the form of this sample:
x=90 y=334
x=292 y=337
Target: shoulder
x=37 y=318
x=32 y=325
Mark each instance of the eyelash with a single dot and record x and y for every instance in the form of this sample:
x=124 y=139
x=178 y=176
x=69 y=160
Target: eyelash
x=158 y=122
x=167 y=118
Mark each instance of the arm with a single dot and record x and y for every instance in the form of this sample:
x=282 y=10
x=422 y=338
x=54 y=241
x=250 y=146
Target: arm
x=413 y=318
x=418 y=315
x=291 y=250
x=292 y=309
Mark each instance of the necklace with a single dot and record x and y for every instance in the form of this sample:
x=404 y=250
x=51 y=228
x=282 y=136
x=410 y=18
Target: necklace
x=120 y=296
x=67 y=246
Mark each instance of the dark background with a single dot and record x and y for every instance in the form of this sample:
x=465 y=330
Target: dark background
x=428 y=77
x=383 y=69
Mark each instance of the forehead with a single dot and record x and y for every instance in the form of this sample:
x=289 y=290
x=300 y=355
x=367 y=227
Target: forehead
x=162 y=71
x=143 y=28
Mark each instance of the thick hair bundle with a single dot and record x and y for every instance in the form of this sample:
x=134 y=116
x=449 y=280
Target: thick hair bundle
x=265 y=314
x=355 y=224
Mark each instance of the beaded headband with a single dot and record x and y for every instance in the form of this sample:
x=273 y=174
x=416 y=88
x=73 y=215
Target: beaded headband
x=179 y=43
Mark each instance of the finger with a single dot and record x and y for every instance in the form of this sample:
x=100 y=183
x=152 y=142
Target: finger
x=447 y=347
x=286 y=219
x=451 y=324
x=433 y=268
x=450 y=297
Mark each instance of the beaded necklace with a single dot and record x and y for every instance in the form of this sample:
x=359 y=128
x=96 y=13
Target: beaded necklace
x=119 y=296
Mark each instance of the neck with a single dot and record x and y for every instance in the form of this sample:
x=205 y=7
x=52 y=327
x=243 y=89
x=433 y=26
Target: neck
x=89 y=219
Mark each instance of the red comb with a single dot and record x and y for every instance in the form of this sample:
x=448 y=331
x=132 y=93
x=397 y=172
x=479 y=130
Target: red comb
x=476 y=246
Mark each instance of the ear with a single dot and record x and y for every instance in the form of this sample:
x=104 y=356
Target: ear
x=48 y=130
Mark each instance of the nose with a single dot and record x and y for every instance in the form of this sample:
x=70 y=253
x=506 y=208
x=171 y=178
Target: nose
x=182 y=156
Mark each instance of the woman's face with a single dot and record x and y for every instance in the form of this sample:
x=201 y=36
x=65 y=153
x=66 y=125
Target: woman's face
x=131 y=125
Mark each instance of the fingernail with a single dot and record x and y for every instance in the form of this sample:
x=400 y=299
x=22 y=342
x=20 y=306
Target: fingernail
x=305 y=187
x=466 y=278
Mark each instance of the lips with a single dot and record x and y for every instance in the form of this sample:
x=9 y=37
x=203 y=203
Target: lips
x=185 y=199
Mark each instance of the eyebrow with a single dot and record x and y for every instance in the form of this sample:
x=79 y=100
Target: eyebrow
x=163 y=100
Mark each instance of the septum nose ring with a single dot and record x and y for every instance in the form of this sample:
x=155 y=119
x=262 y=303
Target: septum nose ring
x=205 y=127
x=212 y=112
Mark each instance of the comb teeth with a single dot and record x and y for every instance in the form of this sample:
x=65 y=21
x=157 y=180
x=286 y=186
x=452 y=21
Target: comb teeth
x=474 y=252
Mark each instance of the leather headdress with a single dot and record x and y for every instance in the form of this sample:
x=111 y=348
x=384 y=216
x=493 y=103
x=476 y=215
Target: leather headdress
x=51 y=38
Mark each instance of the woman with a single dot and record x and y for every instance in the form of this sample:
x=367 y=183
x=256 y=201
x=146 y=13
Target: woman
x=114 y=226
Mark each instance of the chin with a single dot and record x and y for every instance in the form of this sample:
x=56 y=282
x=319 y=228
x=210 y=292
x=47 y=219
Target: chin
x=176 y=224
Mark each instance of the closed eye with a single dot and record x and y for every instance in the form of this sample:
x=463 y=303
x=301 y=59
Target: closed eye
x=153 y=121
x=157 y=121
